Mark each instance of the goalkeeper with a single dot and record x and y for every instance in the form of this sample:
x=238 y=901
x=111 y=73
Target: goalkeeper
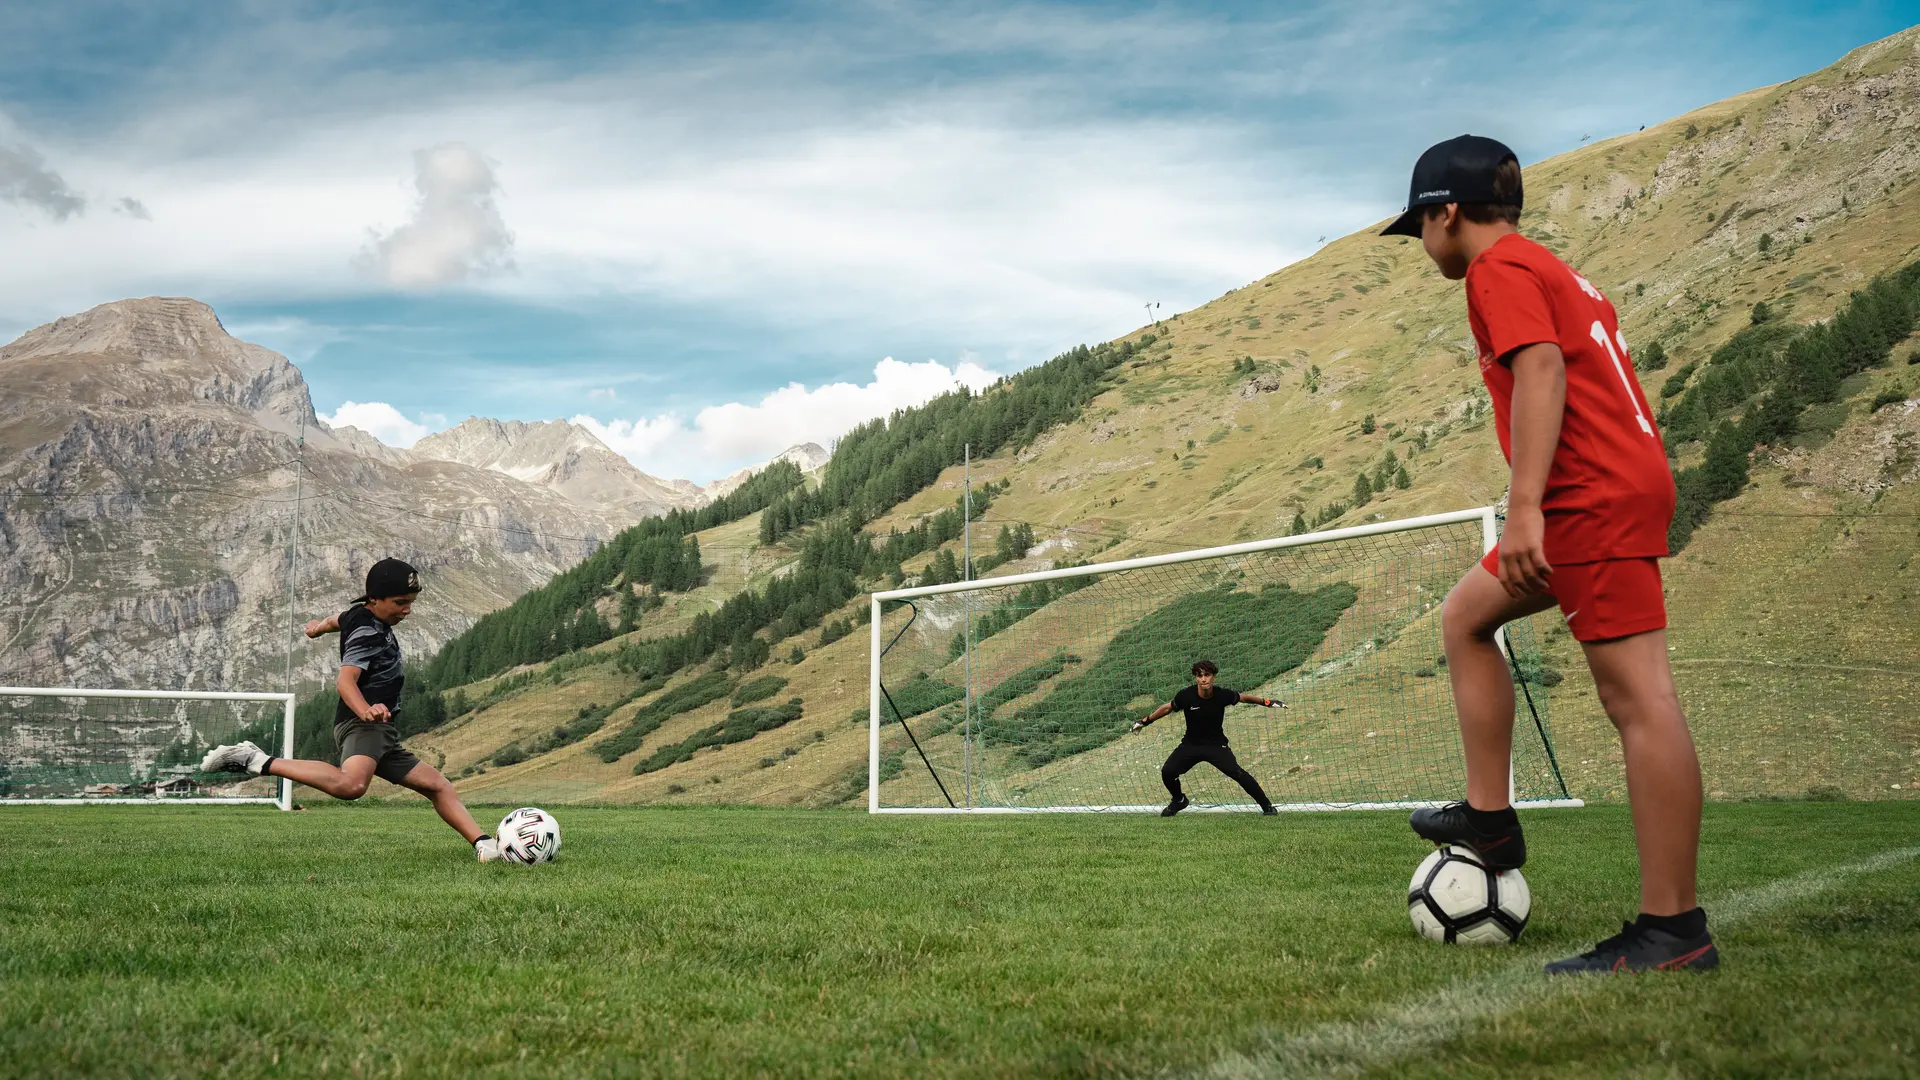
x=1205 y=706
x=371 y=675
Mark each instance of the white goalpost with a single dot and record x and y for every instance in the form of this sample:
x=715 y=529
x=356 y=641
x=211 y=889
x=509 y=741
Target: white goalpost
x=75 y=746
x=1016 y=694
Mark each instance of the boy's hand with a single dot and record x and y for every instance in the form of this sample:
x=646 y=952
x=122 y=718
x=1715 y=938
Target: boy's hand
x=1523 y=553
x=316 y=627
x=1138 y=724
x=378 y=714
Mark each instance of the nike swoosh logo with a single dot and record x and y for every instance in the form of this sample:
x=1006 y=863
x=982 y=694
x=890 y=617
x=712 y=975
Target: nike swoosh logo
x=1572 y=613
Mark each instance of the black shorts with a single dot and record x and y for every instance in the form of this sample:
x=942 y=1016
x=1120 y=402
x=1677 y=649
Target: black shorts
x=358 y=738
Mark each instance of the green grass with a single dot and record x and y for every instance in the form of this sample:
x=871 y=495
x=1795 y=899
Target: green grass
x=363 y=941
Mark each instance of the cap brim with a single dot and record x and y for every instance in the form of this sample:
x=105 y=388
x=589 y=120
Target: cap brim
x=362 y=599
x=1407 y=224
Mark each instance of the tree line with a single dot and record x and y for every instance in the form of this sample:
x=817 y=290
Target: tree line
x=1773 y=376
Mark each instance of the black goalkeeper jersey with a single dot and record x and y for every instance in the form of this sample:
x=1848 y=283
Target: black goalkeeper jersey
x=1206 y=716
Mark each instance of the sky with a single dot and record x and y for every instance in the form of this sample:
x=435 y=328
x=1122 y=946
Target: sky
x=709 y=231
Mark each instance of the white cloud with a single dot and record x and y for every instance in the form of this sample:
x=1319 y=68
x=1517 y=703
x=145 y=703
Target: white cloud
x=133 y=208
x=723 y=438
x=603 y=393
x=456 y=231
x=26 y=179
x=384 y=422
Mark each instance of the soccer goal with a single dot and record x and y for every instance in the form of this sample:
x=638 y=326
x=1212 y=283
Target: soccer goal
x=141 y=747
x=1017 y=693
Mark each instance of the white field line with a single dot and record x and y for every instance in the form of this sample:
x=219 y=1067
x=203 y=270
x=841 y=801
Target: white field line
x=1413 y=1026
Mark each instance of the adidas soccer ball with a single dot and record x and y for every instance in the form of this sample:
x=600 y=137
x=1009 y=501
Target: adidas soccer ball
x=1454 y=897
x=528 y=836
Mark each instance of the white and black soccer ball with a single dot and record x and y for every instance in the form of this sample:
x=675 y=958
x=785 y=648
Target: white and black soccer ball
x=528 y=835
x=1454 y=897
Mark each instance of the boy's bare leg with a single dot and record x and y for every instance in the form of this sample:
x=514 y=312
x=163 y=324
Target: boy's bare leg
x=349 y=781
x=1482 y=684
x=1635 y=685
x=428 y=781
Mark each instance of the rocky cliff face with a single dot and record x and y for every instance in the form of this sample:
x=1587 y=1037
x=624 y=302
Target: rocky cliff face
x=150 y=478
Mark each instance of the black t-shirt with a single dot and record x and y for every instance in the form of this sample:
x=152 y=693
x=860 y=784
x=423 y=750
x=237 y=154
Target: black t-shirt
x=369 y=644
x=1206 y=716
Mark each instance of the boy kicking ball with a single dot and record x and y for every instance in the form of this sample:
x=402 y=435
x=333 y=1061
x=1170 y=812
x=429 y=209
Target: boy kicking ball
x=369 y=683
x=1590 y=501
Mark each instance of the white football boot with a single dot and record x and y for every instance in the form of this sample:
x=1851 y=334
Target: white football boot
x=487 y=849
x=240 y=757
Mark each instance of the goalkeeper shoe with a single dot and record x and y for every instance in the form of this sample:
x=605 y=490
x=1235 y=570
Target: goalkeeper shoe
x=487 y=849
x=240 y=757
x=1639 y=947
x=1174 y=807
x=1501 y=848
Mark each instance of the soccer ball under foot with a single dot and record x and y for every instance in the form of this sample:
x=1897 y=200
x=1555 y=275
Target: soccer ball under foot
x=1455 y=898
x=528 y=836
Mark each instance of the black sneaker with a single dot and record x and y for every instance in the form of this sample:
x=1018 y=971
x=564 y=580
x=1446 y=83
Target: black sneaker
x=1174 y=807
x=1269 y=811
x=1502 y=849
x=1642 y=948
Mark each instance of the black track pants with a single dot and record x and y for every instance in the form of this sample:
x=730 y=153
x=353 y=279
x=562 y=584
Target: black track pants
x=1187 y=755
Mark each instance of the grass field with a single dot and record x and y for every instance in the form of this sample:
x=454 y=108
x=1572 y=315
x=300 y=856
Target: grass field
x=363 y=941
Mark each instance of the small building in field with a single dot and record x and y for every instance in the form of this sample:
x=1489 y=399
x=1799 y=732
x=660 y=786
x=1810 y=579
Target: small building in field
x=178 y=786
x=102 y=791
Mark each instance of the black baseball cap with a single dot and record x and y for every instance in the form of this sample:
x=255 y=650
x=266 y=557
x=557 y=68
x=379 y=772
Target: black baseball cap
x=389 y=577
x=1459 y=170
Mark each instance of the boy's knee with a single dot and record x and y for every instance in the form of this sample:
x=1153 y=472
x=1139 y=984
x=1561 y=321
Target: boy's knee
x=1460 y=624
x=351 y=790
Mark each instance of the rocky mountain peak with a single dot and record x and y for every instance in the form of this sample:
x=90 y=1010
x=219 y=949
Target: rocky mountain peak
x=559 y=455
x=154 y=348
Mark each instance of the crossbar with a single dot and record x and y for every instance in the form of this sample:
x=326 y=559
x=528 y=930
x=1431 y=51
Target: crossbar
x=1452 y=517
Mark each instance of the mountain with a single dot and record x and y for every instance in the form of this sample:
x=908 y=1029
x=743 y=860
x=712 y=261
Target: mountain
x=148 y=465
x=1268 y=404
x=562 y=457
x=811 y=457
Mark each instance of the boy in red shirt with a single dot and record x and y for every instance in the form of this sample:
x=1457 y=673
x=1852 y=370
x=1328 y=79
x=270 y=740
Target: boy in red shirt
x=1590 y=499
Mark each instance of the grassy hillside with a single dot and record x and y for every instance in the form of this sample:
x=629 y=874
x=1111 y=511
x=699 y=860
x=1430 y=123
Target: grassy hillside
x=1265 y=407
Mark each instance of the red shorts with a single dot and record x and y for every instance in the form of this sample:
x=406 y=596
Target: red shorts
x=1614 y=598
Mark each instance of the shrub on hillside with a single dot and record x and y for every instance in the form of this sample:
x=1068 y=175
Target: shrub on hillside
x=739 y=726
x=758 y=689
x=686 y=697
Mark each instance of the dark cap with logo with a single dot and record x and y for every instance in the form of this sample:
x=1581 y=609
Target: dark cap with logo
x=389 y=577
x=1459 y=170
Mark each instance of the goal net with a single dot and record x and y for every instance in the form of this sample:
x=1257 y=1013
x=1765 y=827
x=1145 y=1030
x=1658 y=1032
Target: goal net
x=64 y=745
x=1018 y=693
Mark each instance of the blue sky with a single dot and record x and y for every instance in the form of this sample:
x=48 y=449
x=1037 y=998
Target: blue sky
x=705 y=228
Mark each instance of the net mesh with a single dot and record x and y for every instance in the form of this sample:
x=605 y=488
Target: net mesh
x=70 y=746
x=1022 y=696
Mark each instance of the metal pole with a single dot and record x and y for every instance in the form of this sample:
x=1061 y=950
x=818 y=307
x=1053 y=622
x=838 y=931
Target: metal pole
x=966 y=574
x=293 y=578
x=873 y=708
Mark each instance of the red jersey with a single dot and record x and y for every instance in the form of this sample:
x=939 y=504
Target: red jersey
x=1610 y=491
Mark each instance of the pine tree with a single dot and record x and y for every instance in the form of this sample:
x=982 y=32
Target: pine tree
x=1362 y=490
x=1299 y=523
x=1401 y=480
x=629 y=609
